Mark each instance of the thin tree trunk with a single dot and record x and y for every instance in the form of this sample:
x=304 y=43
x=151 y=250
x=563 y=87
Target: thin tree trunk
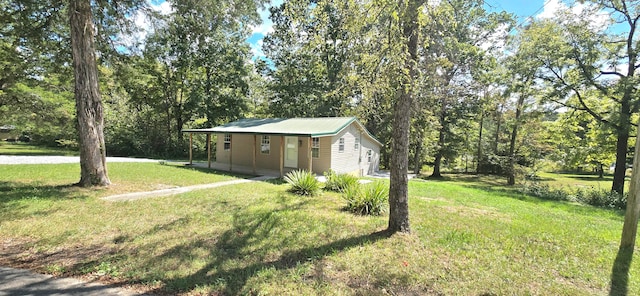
x=512 y=144
x=497 y=135
x=479 y=154
x=89 y=110
x=417 y=155
x=437 y=162
x=398 y=187
x=600 y=171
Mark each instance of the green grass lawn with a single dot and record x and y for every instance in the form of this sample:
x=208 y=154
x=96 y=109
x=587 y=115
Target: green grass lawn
x=469 y=238
x=585 y=181
x=20 y=148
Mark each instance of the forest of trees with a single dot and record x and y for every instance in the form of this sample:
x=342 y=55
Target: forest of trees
x=484 y=92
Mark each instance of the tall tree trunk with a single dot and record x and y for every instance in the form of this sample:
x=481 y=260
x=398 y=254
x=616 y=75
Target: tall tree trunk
x=398 y=187
x=497 y=135
x=511 y=180
x=630 y=227
x=621 y=148
x=437 y=162
x=479 y=154
x=600 y=171
x=417 y=155
x=93 y=166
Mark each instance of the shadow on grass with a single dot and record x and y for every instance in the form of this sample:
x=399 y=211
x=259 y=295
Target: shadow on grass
x=256 y=243
x=620 y=272
x=591 y=178
x=13 y=193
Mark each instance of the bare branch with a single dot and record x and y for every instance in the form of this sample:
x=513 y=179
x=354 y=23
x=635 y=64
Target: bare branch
x=612 y=73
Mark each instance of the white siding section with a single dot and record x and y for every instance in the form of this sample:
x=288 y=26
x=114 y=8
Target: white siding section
x=354 y=161
x=367 y=167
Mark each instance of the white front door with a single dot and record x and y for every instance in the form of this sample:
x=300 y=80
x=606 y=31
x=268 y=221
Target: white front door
x=291 y=152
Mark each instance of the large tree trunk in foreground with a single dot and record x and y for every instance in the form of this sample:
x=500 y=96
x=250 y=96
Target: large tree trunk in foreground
x=87 y=94
x=630 y=227
x=622 y=263
x=398 y=188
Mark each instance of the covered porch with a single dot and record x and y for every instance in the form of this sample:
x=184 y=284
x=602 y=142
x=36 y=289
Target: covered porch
x=245 y=152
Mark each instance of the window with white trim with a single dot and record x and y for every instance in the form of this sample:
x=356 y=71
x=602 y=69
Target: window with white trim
x=227 y=141
x=265 y=145
x=315 y=147
x=341 y=145
x=369 y=155
x=356 y=145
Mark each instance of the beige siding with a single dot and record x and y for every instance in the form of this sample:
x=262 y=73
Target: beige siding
x=272 y=160
x=304 y=153
x=222 y=156
x=242 y=146
x=322 y=163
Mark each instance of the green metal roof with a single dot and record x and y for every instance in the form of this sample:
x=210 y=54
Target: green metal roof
x=312 y=127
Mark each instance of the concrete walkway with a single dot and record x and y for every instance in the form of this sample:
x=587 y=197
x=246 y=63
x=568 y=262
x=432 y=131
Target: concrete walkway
x=179 y=190
x=23 y=282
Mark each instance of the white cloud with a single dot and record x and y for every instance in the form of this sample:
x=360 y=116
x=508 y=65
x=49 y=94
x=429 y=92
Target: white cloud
x=256 y=49
x=551 y=8
x=264 y=28
x=163 y=8
x=597 y=18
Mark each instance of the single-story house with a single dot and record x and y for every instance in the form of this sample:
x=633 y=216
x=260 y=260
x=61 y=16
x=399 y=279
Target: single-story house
x=341 y=144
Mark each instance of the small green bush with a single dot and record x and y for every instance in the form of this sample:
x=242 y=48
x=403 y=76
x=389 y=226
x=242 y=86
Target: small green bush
x=338 y=182
x=602 y=198
x=302 y=182
x=367 y=199
x=596 y=198
x=544 y=191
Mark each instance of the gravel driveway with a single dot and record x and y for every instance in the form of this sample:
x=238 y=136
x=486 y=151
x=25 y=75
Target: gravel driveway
x=11 y=159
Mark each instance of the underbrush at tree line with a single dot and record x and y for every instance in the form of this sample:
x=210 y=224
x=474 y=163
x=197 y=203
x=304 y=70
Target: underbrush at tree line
x=598 y=198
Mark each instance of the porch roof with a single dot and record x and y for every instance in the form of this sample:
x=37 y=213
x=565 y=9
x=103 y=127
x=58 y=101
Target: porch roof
x=311 y=127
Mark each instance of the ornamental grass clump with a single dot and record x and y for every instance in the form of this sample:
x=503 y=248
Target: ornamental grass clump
x=370 y=199
x=339 y=182
x=302 y=182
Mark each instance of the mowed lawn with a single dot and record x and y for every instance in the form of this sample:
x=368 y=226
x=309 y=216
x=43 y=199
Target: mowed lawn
x=258 y=239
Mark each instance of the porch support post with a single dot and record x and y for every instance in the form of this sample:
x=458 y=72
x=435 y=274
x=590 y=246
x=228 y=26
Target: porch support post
x=281 y=156
x=231 y=152
x=190 y=148
x=209 y=150
x=309 y=154
x=254 y=154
